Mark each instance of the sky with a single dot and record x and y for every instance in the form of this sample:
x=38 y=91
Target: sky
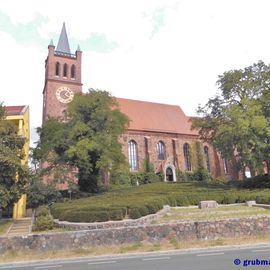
x=166 y=51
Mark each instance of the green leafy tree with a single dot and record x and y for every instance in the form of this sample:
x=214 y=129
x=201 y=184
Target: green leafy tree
x=13 y=174
x=40 y=193
x=88 y=140
x=235 y=120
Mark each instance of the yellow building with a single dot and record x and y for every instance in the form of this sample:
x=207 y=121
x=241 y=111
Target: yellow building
x=19 y=115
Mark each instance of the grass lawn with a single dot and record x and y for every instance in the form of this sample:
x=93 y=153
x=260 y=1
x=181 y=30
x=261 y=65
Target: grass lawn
x=4 y=225
x=135 y=202
x=188 y=214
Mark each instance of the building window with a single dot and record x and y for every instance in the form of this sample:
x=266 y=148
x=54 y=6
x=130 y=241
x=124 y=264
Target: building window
x=72 y=72
x=57 y=69
x=65 y=70
x=161 y=150
x=225 y=164
x=133 y=155
x=206 y=154
x=186 y=149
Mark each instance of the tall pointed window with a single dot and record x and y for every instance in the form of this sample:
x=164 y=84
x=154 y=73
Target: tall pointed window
x=225 y=164
x=65 y=70
x=133 y=155
x=161 y=150
x=73 y=72
x=57 y=69
x=186 y=149
x=206 y=155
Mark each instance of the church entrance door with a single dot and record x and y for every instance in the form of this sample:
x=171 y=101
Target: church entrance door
x=169 y=174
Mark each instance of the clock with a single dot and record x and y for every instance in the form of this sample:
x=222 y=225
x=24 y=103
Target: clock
x=64 y=94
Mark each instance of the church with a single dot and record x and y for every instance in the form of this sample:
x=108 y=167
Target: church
x=158 y=133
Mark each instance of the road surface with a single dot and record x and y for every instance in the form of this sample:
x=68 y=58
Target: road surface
x=227 y=258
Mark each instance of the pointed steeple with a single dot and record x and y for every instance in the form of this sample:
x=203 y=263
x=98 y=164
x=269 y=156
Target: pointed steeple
x=63 y=44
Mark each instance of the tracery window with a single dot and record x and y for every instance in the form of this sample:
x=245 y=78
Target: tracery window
x=161 y=150
x=133 y=155
x=186 y=149
x=207 y=159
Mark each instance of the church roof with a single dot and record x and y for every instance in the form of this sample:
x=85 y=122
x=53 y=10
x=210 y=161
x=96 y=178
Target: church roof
x=155 y=117
x=63 y=44
x=15 y=110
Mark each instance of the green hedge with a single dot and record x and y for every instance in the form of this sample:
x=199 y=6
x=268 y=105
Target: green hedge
x=135 y=202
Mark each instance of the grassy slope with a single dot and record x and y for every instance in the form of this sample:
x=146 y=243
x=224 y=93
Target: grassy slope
x=160 y=193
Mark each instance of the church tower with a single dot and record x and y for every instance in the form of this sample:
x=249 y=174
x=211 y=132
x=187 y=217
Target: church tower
x=62 y=77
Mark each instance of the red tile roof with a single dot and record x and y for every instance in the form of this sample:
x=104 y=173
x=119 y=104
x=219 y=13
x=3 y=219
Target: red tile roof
x=14 y=110
x=155 y=117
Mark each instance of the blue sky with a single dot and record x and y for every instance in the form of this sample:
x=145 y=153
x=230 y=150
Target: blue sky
x=168 y=51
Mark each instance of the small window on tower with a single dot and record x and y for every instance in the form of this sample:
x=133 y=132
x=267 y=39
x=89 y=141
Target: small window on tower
x=65 y=70
x=57 y=69
x=72 y=72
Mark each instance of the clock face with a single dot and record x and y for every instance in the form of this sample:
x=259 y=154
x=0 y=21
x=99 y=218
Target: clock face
x=64 y=94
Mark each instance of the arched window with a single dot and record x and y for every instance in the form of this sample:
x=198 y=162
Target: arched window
x=65 y=70
x=161 y=150
x=57 y=69
x=133 y=155
x=73 y=72
x=186 y=149
x=206 y=155
x=225 y=164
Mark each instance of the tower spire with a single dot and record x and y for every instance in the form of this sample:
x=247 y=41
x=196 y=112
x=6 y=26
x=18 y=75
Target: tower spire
x=63 y=44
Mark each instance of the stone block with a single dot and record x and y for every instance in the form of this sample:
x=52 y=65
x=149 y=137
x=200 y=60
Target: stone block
x=166 y=208
x=250 y=203
x=208 y=204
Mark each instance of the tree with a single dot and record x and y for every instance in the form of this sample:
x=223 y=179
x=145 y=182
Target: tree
x=88 y=140
x=235 y=121
x=13 y=174
x=40 y=193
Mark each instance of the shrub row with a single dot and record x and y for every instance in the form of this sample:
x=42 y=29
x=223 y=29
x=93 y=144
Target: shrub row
x=148 y=199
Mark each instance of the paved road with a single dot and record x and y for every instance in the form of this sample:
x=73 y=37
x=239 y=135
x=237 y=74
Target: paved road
x=211 y=259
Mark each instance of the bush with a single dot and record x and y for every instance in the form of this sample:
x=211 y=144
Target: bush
x=182 y=201
x=134 y=213
x=259 y=181
x=85 y=216
x=44 y=220
x=135 y=202
x=228 y=199
x=116 y=214
x=143 y=211
x=41 y=194
x=121 y=177
x=42 y=211
x=152 y=208
x=202 y=175
x=43 y=223
x=172 y=201
x=180 y=176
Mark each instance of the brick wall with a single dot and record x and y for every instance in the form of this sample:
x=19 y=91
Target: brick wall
x=175 y=156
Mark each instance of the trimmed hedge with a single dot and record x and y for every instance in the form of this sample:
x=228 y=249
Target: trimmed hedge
x=136 y=202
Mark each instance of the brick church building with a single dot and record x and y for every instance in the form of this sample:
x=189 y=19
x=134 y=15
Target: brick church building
x=159 y=133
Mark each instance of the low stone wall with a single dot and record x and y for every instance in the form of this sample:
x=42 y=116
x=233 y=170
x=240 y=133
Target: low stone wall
x=111 y=224
x=201 y=230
